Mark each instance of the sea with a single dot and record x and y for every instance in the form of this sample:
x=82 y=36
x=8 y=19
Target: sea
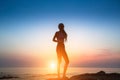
x=38 y=73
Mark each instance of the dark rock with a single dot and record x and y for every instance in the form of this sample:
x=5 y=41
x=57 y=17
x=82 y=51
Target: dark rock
x=101 y=73
x=97 y=76
x=7 y=76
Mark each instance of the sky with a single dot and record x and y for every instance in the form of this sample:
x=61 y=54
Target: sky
x=28 y=26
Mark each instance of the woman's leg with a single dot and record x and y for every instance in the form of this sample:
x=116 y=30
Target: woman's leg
x=58 y=65
x=66 y=63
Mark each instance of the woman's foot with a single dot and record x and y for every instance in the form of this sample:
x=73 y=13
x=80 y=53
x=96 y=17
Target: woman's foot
x=65 y=78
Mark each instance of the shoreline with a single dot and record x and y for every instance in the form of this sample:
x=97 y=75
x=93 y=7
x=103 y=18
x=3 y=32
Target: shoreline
x=101 y=75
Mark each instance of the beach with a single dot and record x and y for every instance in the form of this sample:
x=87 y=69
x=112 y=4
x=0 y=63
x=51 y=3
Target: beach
x=73 y=73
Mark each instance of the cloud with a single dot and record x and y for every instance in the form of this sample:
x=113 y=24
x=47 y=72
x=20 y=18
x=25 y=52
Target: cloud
x=20 y=60
x=98 y=58
x=101 y=58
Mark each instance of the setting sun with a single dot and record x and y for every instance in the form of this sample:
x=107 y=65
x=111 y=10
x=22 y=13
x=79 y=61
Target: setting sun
x=53 y=65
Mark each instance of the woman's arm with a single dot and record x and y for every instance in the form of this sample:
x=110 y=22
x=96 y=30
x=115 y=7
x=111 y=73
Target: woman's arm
x=54 y=38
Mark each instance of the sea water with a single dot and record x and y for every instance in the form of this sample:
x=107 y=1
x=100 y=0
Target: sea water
x=36 y=73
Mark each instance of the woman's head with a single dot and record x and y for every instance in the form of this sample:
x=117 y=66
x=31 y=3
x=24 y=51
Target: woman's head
x=61 y=26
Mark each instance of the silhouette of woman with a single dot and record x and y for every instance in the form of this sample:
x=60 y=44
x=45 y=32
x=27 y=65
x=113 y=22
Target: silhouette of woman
x=60 y=37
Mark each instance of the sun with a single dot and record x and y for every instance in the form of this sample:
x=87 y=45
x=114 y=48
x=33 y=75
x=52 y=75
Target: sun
x=53 y=65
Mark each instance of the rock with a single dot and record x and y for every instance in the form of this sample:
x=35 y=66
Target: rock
x=7 y=76
x=97 y=76
x=101 y=73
